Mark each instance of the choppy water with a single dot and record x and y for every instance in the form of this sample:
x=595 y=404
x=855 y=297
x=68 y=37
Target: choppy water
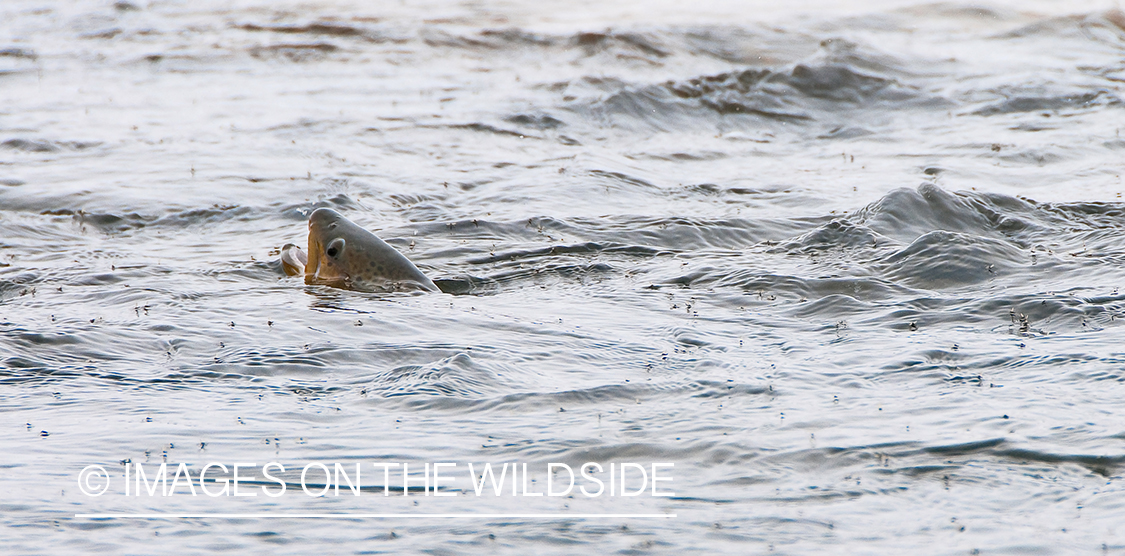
x=856 y=271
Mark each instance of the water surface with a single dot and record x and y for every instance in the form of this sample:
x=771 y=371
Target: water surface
x=855 y=270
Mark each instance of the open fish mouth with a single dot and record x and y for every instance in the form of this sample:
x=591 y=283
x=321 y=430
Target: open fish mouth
x=294 y=261
x=313 y=265
x=319 y=270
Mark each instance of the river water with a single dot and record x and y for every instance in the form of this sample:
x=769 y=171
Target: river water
x=854 y=269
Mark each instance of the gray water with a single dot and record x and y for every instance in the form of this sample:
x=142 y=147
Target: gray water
x=855 y=269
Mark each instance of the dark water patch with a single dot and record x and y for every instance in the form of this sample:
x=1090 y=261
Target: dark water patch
x=26 y=371
x=1113 y=300
x=189 y=379
x=109 y=223
x=456 y=376
x=841 y=79
x=708 y=189
x=582 y=273
x=22 y=371
x=575 y=399
x=19 y=284
x=14 y=52
x=518 y=275
x=832 y=307
x=485 y=128
x=439 y=38
x=906 y=214
x=1056 y=311
x=98 y=279
x=956 y=367
x=939 y=260
x=839 y=234
x=651 y=48
x=687 y=234
x=1105 y=465
x=517 y=37
x=588 y=248
x=818 y=90
x=1034 y=126
x=689 y=157
x=36 y=340
x=1090 y=215
x=334 y=29
x=206 y=216
x=1080 y=367
x=766 y=287
x=535 y=121
x=1034 y=310
x=657 y=108
x=312 y=391
x=950 y=365
x=740 y=92
x=407 y=200
x=107 y=33
x=843 y=84
x=713 y=389
x=295 y=52
x=115 y=223
x=688 y=338
x=739 y=194
x=954 y=457
x=47 y=146
x=623 y=45
x=1018 y=103
x=489 y=230
x=845 y=132
x=620 y=178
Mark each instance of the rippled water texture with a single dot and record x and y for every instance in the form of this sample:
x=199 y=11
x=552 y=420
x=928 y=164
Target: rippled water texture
x=855 y=269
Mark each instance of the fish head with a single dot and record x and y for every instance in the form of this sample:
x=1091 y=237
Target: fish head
x=345 y=255
x=329 y=261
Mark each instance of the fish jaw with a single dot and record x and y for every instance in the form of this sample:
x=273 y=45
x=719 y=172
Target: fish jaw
x=319 y=270
x=314 y=258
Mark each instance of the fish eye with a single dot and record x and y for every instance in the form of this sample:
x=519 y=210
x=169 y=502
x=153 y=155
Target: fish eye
x=335 y=248
x=332 y=226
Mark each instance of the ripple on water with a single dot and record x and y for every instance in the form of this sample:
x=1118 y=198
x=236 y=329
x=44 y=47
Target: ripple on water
x=662 y=236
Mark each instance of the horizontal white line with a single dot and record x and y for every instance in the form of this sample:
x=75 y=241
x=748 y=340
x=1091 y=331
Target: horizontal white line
x=356 y=516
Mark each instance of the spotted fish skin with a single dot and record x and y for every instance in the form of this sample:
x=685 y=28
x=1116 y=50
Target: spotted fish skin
x=344 y=255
